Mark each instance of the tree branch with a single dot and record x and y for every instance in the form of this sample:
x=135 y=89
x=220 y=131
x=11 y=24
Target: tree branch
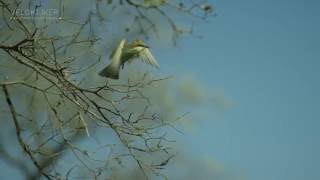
x=24 y=146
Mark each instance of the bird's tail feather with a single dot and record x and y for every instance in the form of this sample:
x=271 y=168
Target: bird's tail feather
x=111 y=71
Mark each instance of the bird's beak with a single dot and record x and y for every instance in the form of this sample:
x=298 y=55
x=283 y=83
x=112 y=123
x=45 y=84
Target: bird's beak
x=145 y=46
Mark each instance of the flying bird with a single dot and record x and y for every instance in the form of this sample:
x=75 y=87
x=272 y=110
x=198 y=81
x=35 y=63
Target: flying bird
x=127 y=53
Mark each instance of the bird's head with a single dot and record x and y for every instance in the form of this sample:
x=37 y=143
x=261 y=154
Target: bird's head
x=139 y=43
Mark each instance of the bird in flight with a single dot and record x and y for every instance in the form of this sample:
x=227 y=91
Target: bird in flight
x=127 y=53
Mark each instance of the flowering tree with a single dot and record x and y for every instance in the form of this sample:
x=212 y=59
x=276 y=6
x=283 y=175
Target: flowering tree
x=69 y=122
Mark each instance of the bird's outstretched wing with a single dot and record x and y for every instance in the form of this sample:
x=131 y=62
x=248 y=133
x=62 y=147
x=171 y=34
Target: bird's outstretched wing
x=116 y=54
x=146 y=56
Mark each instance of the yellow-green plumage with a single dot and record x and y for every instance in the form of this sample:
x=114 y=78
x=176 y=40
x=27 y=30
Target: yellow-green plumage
x=126 y=53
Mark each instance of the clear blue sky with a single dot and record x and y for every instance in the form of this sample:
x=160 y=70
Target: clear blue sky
x=265 y=55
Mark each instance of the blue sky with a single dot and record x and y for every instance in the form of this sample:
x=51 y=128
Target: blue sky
x=265 y=56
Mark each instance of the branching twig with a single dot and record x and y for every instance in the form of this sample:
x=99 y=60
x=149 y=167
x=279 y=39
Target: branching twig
x=24 y=146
